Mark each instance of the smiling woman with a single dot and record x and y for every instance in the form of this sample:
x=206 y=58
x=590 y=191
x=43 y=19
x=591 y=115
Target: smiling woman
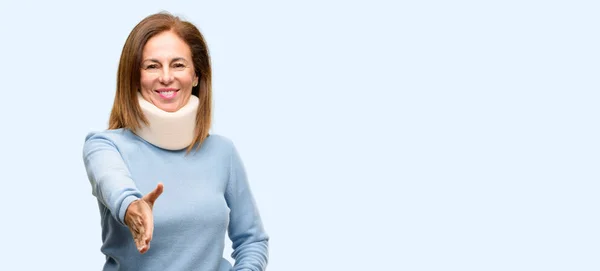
x=168 y=73
x=166 y=60
x=158 y=145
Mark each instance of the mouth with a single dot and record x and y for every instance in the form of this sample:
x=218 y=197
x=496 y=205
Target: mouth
x=167 y=93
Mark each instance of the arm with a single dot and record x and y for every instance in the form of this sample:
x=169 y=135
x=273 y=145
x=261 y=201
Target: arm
x=250 y=242
x=110 y=179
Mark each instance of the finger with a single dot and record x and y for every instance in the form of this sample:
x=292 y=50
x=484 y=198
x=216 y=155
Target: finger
x=143 y=249
x=145 y=232
x=152 y=196
x=144 y=243
x=149 y=231
x=136 y=240
x=139 y=236
x=141 y=245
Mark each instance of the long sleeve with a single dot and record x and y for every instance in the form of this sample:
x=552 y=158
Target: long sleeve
x=250 y=242
x=110 y=179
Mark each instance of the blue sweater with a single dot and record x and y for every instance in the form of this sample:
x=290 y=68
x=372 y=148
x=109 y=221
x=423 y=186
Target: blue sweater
x=205 y=193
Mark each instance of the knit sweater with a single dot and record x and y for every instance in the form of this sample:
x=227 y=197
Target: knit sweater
x=206 y=195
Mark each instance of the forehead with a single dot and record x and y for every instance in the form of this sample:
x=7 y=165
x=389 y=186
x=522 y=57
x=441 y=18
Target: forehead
x=166 y=45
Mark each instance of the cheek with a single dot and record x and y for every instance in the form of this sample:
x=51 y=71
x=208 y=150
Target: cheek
x=191 y=77
x=187 y=79
x=146 y=81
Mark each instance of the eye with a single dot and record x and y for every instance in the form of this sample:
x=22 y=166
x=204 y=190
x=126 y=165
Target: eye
x=151 y=67
x=178 y=65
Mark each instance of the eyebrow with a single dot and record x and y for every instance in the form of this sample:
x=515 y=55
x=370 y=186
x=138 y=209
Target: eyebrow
x=156 y=61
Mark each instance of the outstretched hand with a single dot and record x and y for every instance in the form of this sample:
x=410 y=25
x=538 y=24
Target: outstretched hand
x=140 y=220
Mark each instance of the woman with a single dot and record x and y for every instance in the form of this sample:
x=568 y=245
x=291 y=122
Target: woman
x=158 y=140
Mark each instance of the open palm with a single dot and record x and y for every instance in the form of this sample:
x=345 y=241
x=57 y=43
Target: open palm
x=140 y=220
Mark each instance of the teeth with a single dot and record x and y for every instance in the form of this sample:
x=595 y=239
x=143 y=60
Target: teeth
x=167 y=93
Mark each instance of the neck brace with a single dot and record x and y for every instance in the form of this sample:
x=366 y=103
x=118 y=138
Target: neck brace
x=168 y=130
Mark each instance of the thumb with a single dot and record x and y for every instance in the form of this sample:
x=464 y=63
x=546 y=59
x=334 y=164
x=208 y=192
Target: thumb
x=152 y=196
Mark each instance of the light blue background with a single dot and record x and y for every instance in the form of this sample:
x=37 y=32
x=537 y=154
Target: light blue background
x=414 y=135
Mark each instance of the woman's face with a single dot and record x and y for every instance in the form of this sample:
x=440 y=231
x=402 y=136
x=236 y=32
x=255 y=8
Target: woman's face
x=167 y=74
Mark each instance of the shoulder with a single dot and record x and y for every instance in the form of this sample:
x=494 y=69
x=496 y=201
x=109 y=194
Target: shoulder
x=219 y=143
x=108 y=134
x=112 y=137
x=219 y=139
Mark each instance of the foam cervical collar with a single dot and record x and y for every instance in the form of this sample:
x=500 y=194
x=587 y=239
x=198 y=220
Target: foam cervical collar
x=168 y=130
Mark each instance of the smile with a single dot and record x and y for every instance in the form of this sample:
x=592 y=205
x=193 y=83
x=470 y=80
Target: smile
x=167 y=93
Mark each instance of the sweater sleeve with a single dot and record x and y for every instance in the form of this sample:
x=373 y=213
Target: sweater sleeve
x=250 y=242
x=109 y=176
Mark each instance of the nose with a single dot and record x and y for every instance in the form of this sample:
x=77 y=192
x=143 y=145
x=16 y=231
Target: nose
x=166 y=77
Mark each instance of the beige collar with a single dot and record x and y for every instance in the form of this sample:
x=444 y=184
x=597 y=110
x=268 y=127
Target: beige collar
x=168 y=130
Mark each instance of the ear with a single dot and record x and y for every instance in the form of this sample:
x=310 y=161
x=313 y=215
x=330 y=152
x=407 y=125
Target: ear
x=195 y=81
